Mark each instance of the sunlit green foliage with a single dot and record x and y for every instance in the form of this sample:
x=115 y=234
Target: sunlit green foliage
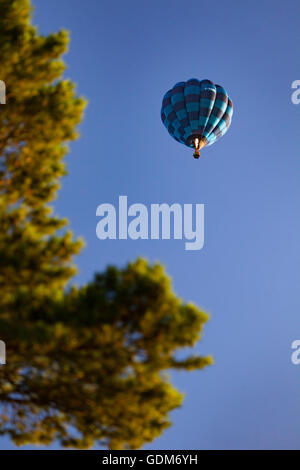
x=84 y=365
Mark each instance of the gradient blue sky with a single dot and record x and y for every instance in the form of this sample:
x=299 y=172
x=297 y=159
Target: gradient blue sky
x=124 y=56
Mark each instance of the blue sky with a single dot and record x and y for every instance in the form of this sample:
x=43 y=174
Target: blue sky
x=124 y=56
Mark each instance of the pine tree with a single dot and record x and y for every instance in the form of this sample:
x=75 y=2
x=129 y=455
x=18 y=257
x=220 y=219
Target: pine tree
x=84 y=365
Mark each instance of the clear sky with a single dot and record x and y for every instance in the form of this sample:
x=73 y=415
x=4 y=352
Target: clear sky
x=124 y=56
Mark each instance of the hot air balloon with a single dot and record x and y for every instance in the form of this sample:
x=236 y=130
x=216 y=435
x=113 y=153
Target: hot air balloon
x=196 y=113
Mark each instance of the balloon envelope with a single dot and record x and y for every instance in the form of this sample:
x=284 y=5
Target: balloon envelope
x=196 y=109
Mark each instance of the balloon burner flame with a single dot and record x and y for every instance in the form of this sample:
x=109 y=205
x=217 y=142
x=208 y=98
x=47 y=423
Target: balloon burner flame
x=197 y=148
